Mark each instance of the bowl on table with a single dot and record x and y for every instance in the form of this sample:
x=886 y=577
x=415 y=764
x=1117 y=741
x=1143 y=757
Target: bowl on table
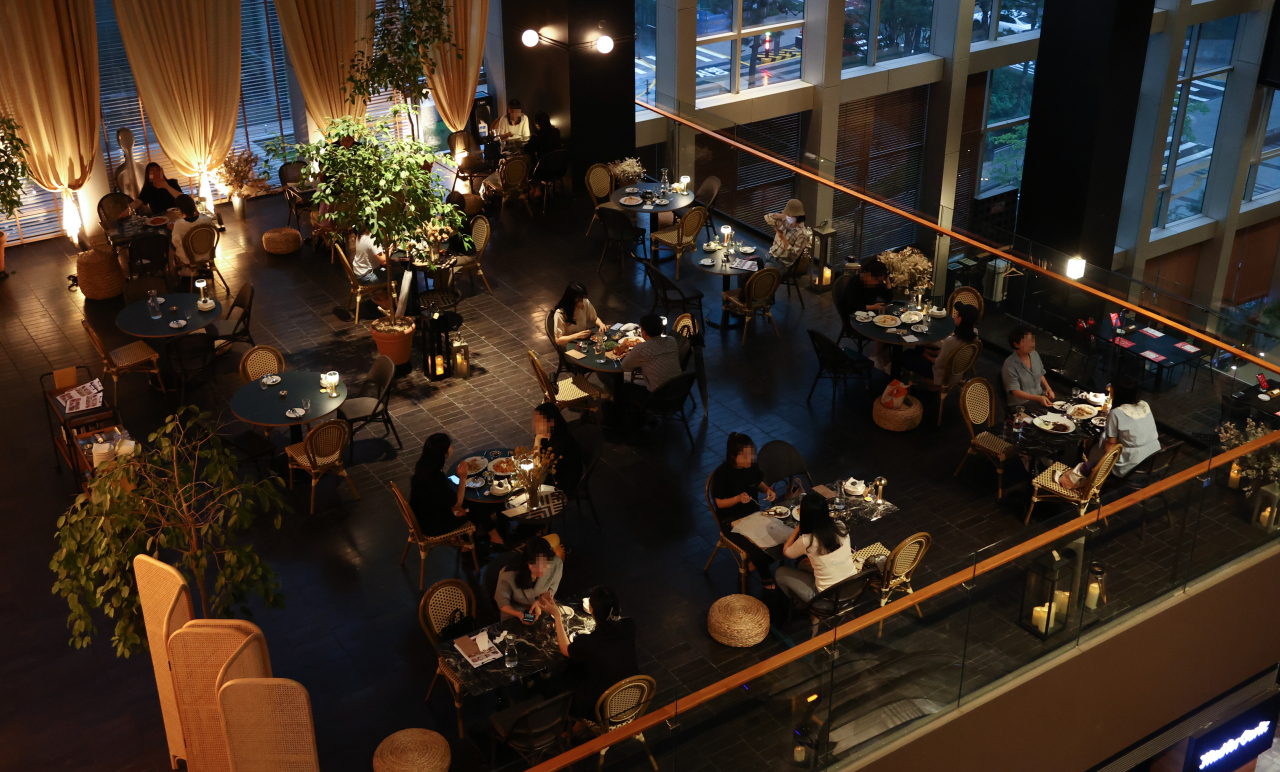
x=854 y=487
x=937 y=312
x=911 y=317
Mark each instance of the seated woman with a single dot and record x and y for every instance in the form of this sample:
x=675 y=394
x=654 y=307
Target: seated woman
x=575 y=317
x=932 y=362
x=368 y=260
x=191 y=217
x=1131 y=425
x=533 y=573
x=158 y=194
x=1024 y=374
x=734 y=488
x=436 y=501
x=545 y=139
x=551 y=433
x=601 y=658
x=825 y=541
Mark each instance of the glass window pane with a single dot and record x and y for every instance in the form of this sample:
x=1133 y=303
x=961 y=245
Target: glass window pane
x=771 y=57
x=1195 y=152
x=1271 y=132
x=856 y=15
x=1186 y=47
x=904 y=28
x=1002 y=158
x=982 y=20
x=1011 y=92
x=1217 y=39
x=646 y=64
x=1268 y=179
x=758 y=13
x=715 y=16
x=713 y=68
x=1019 y=16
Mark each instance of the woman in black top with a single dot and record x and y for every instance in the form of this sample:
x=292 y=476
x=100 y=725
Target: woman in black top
x=545 y=139
x=734 y=487
x=551 y=432
x=434 y=498
x=601 y=658
x=158 y=193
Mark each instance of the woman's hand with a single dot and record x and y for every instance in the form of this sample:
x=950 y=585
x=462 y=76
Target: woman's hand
x=876 y=307
x=744 y=498
x=459 y=510
x=1048 y=391
x=600 y=325
x=770 y=494
x=1044 y=400
x=536 y=608
x=580 y=335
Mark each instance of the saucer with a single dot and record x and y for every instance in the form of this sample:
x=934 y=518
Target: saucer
x=295 y=412
x=919 y=328
x=632 y=190
x=178 y=324
x=662 y=201
x=708 y=261
x=748 y=250
x=270 y=380
x=205 y=305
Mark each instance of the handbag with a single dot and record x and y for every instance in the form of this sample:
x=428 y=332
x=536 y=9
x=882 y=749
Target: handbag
x=459 y=625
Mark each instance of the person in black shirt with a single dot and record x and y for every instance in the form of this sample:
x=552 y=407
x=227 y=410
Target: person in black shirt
x=545 y=139
x=870 y=291
x=551 y=432
x=734 y=487
x=158 y=194
x=436 y=501
x=599 y=659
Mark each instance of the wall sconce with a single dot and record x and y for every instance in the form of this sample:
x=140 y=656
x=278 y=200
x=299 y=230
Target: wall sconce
x=530 y=37
x=1075 y=268
x=604 y=44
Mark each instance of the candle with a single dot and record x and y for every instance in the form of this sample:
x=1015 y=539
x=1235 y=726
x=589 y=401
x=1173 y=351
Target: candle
x=1053 y=614
x=684 y=183
x=726 y=231
x=826 y=275
x=439 y=364
x=1062 y=599
x=1091 y=597
x=1040 y=617
x=459 y=364
x=1265 y=517
x=1233 y=479
x=798 y=754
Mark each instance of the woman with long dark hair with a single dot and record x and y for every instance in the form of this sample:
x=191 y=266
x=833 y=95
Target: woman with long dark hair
x=158 y=194
x=931 y=362
x=601 y=658
x=1131 y=425
x=551 y=433
x=734 y=487
x=434 y=498
x=825 y=541
x=532 y=575
x=575 y=318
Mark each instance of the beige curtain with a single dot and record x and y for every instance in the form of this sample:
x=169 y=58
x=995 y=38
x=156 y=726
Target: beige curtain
x=453 y=85
x=322 y=36
x=185 y=58
x=49 y=85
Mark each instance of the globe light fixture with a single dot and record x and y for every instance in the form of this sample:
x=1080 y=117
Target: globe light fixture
x=604 y=44
x=530 y=38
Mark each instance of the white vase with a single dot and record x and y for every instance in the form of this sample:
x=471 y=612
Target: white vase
x=237 y=204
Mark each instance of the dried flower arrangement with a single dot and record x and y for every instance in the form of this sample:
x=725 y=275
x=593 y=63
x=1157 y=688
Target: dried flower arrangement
x=908 y=268
x=238 y=173
x=532 y=467
x=627 y=171
x=1260 y=467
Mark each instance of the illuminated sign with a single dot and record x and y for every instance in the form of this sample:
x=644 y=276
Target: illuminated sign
x=1234 y=744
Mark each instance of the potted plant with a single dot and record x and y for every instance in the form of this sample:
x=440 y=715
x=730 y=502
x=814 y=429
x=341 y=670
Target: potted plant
x=1256 y=469
x=238 y=177
x=377 y=182
x=178 y=497
x=13 y=175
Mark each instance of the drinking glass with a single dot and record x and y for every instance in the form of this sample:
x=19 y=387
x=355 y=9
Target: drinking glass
x=154 y=309
x=512 y=658
x=306 y=405
x=187 y=314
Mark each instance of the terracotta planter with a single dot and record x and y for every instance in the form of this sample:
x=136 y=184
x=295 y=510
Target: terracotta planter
x=396 y=345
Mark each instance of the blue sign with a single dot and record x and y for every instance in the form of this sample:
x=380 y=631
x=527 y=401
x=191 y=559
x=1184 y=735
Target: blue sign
x=1232 y=743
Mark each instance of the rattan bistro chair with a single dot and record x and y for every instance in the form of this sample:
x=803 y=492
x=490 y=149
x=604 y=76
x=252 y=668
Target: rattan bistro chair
x=443 y=604
x=961 y=360
x=513 y=182
x=754 y=299
x=201 y=247
x=572 y=393
x=621 y=704
x=321 y=452
x=378 y=292
x=110 y=207
x=1045 y=486
x=461 y=538
x=259 y=361
x=535 y=729
x=470 y=264
x=735 y=552
x=978 y=406
x=137 y=357
x=898 y=569
x=600 y=186
x=970 y=295
x=681 y=237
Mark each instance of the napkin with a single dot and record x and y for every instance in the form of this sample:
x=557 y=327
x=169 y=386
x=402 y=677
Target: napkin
x=909 y=339
x=647 y=206
x=824 y=491
x=467 y=646
x=576 y=354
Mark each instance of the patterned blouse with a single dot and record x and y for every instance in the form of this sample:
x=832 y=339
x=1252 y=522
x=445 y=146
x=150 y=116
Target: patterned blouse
x=789 y=239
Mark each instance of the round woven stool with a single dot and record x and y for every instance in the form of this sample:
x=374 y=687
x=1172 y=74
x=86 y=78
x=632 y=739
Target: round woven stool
x=282 y=241
x=412 y=750
x=99 y=275
x=738 y=620
x=903 y=420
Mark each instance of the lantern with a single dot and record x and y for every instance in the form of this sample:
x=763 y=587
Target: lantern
x=437 y=341
x=461 y=357
x=200 y=285
x=1096 y=587
x=822 y=254
x=726 y=231
x=1046 y=593
x=1266 y=508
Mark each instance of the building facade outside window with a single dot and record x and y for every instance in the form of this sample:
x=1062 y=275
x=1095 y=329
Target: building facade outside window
x=1264 y=161
x=646 y=64
x=996 y=18
x=1004 y=132
x=745 y=44
x=902 y=29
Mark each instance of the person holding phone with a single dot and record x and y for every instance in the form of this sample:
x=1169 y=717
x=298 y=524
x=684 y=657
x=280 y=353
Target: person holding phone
x=534 y=572
x=601 y=658
x=790 y=236
x=437 y=499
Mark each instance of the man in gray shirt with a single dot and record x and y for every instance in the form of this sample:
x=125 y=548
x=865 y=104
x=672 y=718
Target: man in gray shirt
x=1023 y=372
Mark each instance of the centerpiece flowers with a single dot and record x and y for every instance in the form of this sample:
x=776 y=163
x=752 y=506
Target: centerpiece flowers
x=627 y=171
x=532 y=467
x=908 y=268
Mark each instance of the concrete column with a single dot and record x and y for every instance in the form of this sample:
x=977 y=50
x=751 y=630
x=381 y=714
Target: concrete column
x=495 y=66
x=88 y=196
x=823 y=40
x=304 y=130
x=677 y=62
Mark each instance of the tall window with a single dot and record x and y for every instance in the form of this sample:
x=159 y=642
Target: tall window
x=902 y=29
x=1264 y=163
x=646 y=51
x=744 y=44
x=997 y=18
x=1193 y=122
x=1004 y=132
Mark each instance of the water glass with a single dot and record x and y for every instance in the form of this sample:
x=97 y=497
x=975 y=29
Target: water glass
x=306 y=405
x=154 y=310
x=511 y=658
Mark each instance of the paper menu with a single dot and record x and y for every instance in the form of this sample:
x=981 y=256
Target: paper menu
x=83 y=397
x=474 y=654
x=909 y=339
x=1124 y=342
x=744 y=265
x=764 y=530
x=1153 y=333
x=1153 y=356
x=1187 y=347
x=824 y=491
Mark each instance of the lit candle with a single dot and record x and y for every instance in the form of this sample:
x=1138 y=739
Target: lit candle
x=1062 y=599
x=684 y=183
x=439 y=364
x=1233 y=479
x=1265 y=518
x=1040 y=617
x=798 y=754
x=1091 y=597
x=826 y=275
x=726 y=231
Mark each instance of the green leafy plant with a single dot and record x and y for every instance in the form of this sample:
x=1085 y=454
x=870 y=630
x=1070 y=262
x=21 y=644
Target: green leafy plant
x=13 y=169
x=1260 y=467
x=278 y=148
x=178 y=497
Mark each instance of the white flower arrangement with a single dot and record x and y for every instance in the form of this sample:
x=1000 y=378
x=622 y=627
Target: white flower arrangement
x=627 y=170
x=908 y=268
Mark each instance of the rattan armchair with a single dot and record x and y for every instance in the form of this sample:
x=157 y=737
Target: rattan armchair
x=110 y=207
x=961 y=361
x=259 y=361
x=321 y=452
x=621 y=704
x=970 y=295
x=899 y=568
x=754 y=299
x=377 y=292
x=513 y=182
x=137 y=357
x=461 y=538
x=735 y=552
x=600 y=187
x=470 y=264
x=201 y=247
x=1046 y=486
x=443 y=604
x=681 y=237
x=978 y=406
x=572 y=393
x=268 y=725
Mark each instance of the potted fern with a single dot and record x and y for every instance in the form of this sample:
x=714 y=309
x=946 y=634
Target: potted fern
x=13 y=175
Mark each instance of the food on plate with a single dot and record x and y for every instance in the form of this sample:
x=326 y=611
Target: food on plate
x=887 y=320
x=1053 y=423
x=1082 y=411
x=474 y=465
x=911 y=317
x=158 y=221
x=503 y=466
x=631 y=200
x=778 y=511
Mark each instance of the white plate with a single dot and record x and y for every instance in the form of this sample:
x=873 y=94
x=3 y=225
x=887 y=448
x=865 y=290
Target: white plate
x=295 y=412
x=662 y=201
x=863 y=316
x=159 y=300
x=270 y=380
x=1096 y=397
x=778 y=511
x=708 y=261
x=710 y=247
x=631 y=201
x=632 y=190
x=1079 y=412
x=911 y=317
x=1061 y=405
x=1264 y=397
x=887 y=320
x=748 y=250
x=1046 y=422
x=475 y=482
x=178 y=324
x=919 y=328
x=1098 y=420
x=511 y=467
x=475 y=464
x=204 y=306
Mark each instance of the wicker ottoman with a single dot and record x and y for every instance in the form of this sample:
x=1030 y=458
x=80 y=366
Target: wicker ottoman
x=282 y=241
x=412 y=750
x=99 y=275
x=738 y=620
x=903 y=420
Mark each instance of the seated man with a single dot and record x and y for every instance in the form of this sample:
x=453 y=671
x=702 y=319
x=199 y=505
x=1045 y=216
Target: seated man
x=657 y=356
x=368 y=260
x=191 y=217
x=790 y=236
x=1023 y=373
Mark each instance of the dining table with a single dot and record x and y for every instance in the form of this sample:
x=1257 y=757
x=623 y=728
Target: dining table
x=135 y=318
x=649 y=197
x=265 y=404
x=482 y=493
x=856 y=511
x=1151 y=346
x=1044 y=444
x=129 y=228
x=928 y=331
x=719 y=262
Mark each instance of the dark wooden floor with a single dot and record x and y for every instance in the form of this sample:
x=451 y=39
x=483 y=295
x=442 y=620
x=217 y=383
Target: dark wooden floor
x=349 y=631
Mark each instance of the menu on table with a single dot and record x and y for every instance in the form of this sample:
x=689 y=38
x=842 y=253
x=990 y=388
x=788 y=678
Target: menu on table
x=83 y=397
x=1125 y=342
x=1187 y=347
x=1153 y=333
x=744 y=265
x=1153 y=356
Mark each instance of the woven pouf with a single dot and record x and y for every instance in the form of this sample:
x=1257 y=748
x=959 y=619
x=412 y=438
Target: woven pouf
x=903 y=420
x=738 y=620
x=412 y=750
x=282 y=241
x=99 y=275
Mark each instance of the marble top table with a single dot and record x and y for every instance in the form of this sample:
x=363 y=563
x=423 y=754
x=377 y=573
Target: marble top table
x=536 y=647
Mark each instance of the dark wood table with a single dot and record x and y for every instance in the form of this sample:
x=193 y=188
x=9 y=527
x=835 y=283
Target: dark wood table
x=674 y=201
x=135 y=318
x=536 y=647
x=482 y=495
x=260 y=406
x=128 y=229
x=64 y=426
x=938 y=329
x=721 y=267
x=1139 y=342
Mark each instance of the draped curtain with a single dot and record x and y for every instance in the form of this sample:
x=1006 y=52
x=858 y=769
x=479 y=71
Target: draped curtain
x=322 y=36
x=453 y=84
x=49 y=85
x=185 y=58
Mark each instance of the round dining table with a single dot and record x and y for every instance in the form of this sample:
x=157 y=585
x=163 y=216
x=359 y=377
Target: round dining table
x=674 y=201
x=721 y=266
x=135 y=318
x=262 y=405
x=482 y=495
x=893 y=336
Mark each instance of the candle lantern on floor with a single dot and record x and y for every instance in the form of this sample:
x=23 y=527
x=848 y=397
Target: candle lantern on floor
x=1095 y=589
x=437 y=341
x=461 y=357
x=822 y=257
x=1233 y=476
x=1046 y=593
x=1265 y=503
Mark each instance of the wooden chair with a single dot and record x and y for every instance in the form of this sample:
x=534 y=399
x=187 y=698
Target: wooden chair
x=621 y=704
x=572 y=393
x=1154 y=468
x=792 y=277
x=534 y=729
x=961 y=361
x=681 y=237
x=234 y=327
x=780 y=461
x=110 y=208
x=378 y=292
x=469 y=160
x=548 y=173
x=470 y=264
x=370 y=404
x=970 y=295
x=837 y=600
x=705 y=196
x=978 y=406
x=443 y=604
x=259 y=361
x=898 y=569
x=149 y=254
x=669 y=399
x=1045 y=487
x=600 y=187
x=201 y=245
x=735 y=552
x=549 y=327
x=321 y=452
x=621 y=236
x=444 y=292
x=847 y=328
x=513 y=181
x=754 y=299
x=137 y=357
x=461 y=538
x=591 y=440
x=670 y=295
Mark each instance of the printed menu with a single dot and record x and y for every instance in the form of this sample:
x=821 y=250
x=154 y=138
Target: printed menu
x=1153 y=356
x=1125 y=342
x=1153 y=333
x=83 y=397
x=1187 y=347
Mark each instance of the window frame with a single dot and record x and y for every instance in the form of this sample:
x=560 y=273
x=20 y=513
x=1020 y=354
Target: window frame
x=734 y=37
x=993 y=30
x=988 y=128
x=1258 y=153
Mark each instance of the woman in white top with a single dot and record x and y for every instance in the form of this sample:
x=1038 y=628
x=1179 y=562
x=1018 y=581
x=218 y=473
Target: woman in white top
x=575 y=317
x=368 y=262
x=931 y=362
x=825 y=541
x=1130 y=425
x=191 y=217
x=515 y=124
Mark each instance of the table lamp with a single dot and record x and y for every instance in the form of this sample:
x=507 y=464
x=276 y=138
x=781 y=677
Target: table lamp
x=727 y=232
